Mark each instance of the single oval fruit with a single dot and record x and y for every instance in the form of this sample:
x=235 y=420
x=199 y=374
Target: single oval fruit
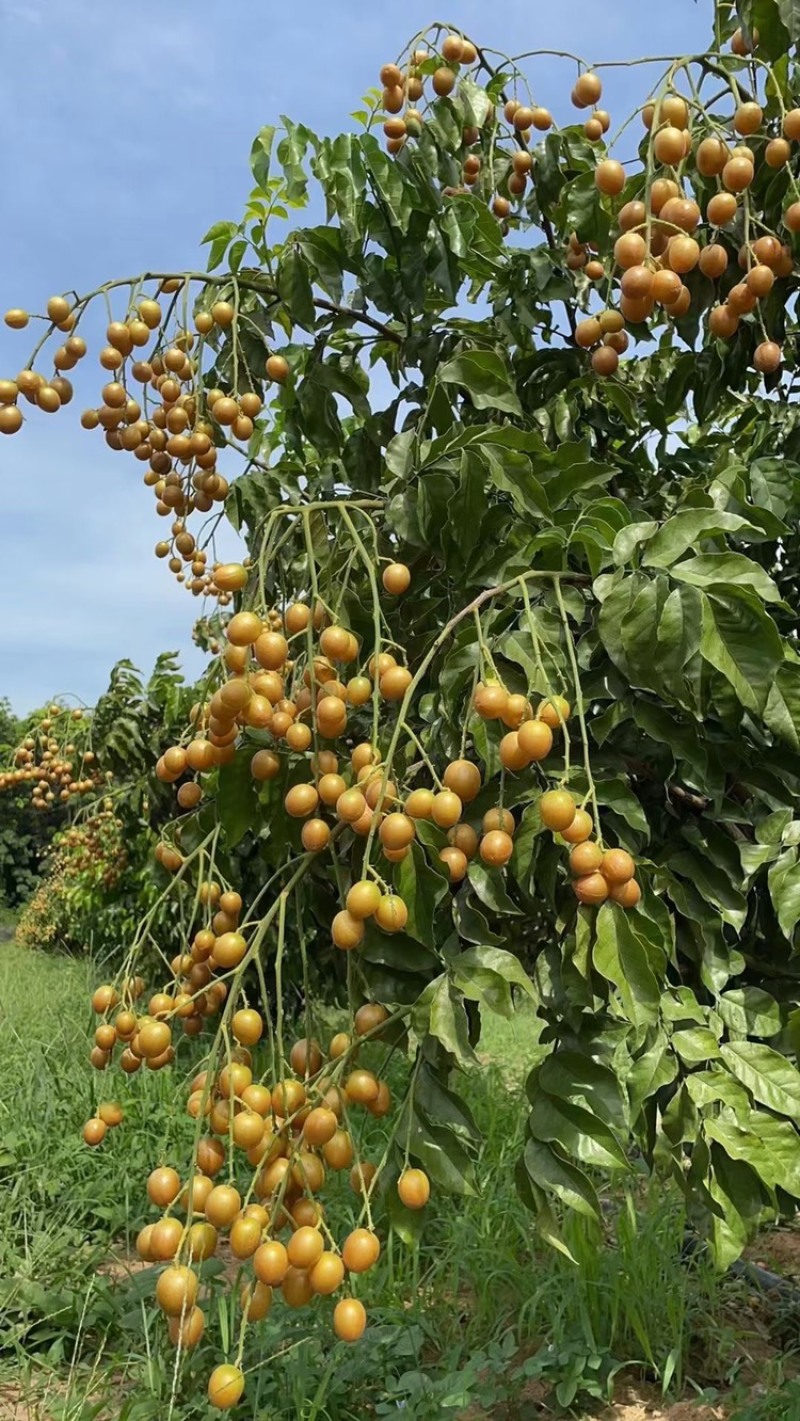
x=225 y=1386
x=327 y=1274
x=609 y=177
x=535 y=738
x=349 y=1315
x=304 y=1248
x=446 y=809
x=176 y=1290
x=626 y=894
x=463 y=778
x=347 y=931
x=414 y=1188
x=496 y=848
x=585 y=858
x=391 y=913
x=737 y=174
x=617 y=866
x=592 y=889
x=396 y=578
x=361 y=1250
x=163 y=1187
x=277 y=369
x=94 y=1131
x=748 y=118
x=557 y=809
x=455 y=861
x=271 y=1263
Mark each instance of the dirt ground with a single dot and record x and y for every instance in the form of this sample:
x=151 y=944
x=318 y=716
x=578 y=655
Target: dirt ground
x=637 y=1406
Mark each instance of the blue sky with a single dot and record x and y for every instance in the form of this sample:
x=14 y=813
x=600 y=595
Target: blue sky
x=129 y=131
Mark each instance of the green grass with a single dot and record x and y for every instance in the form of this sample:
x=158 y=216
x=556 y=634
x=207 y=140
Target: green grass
x=480 y=1313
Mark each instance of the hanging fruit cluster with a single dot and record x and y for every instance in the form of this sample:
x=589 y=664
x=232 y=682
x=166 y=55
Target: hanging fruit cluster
x=700 y=203
x=55 y=759
x=298 y=697
x=154 y=406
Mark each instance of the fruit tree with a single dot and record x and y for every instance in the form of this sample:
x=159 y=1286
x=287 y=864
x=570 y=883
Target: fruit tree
x=503 y=696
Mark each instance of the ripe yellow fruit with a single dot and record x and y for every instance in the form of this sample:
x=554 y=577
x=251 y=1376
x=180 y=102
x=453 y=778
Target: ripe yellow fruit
x=557 y=809
x=225 y=1386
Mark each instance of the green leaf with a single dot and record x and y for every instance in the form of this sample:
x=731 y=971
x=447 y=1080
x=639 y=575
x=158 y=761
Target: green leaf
x=656 y=1067
x=529 y=829
x=782 y=1150
x=769 y=1077
x=399 y=952
x=485 y=377
x=422 y=888
x=486 y=974
x=751 y=1011
x=718 y=1086
x=442 y=1156
x=442 y=1106
x=685 y=530
x=713 y=883
x=789 y=11
x=471 y=924
x=292 y=150
x=695 y=1044
x=260 y=154
x=578 y=1131
x=443 y=1005
x=774 y=484
x=765 y=16
x=490 y=888
x=219 y=238
x=551 y=1172
x=512 y=472
x=628 y=540
x=237 y=801
x=726 y=569
x=621 y=959
x=397 y=199
x=324 y=251
x=617 y=795
x=586 y=1082
x=742 y=642
x=579 y=210
x=683 y=739
x=294 y=288
x=782 y=711
x=580 y=473
x=784 y=889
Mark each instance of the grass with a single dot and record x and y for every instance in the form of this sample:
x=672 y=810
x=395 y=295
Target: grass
x=479 y=1321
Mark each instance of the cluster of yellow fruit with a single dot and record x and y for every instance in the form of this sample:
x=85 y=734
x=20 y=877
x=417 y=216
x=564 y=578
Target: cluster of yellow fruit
x=193 y=995
x=291 y=1133
x=658 y=240
x=96 y=846
x=597 y=873
x=257 y=661
x=56 y=769
x=108 y=1115
x=174 y=426
x=363 y=797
